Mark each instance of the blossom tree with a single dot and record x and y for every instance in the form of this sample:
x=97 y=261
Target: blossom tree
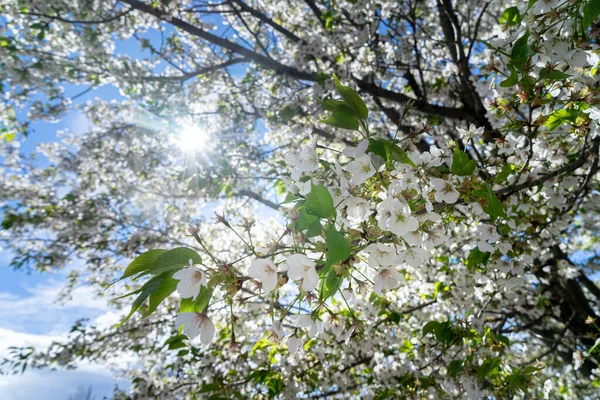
x=406 y=193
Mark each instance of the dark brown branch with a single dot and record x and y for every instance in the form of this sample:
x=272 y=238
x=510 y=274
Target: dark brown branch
x=593 y=151
x=263 y=18
x=260 y=199
x=80 y=22
x=221 y=42
x=420 y=105
x=205 y=70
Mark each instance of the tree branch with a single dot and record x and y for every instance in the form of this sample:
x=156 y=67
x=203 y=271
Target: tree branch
x=221 y=42
x=593 y=151
x=205 y=70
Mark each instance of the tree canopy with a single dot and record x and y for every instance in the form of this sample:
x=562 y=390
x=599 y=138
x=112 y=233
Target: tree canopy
x=405 y=193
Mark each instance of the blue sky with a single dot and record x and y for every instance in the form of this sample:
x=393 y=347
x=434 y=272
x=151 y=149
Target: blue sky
x=30 y=314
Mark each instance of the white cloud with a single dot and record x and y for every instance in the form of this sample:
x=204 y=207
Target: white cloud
x=10 y=338
x=58 y=385
x=34 y=317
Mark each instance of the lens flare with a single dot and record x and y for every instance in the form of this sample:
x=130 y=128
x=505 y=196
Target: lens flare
x=193 y=138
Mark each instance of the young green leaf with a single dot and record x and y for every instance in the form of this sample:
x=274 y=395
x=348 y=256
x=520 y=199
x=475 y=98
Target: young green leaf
x=512 y=80
x=305 y=220
x=380 y=148
x=146 y=290
x=521 y=52
x=511 y=16
x=476 y=258
x=553 y=75
x=337 y=105
x=319 y=202
x=164 y=290
x=331 y=283
x=591 y=12
x=491 y=205
x=314 y=229
x=338 y=248
x=199 y=303
x=559 y=117
x=389 y=151
x=352 y=99
x=142 y=263
x=398 y=154
x=507 y=170
x=462 y=164
x=342 y=119
x=173 y=259
x=429 y=327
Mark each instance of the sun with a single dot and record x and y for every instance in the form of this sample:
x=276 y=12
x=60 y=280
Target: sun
x=193 y=138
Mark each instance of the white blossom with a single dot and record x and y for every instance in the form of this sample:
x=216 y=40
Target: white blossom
x=303 y=268
x=265 y=271
x=195 y=324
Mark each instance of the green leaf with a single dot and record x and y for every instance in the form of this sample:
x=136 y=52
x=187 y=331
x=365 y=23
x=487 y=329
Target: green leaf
x=141 y=263
x=314 y=229
x=476 y=258
x=560 y=117
x=507 y=170
x=398 y=154
x=511 y=16
x=553 y=75
x=146 y=290
x=389 y=151
x=199 y=303
x=442 y=330
x=521 y=52
x=337 y=105
x=455 y=367
x=319 y=202
x=173 y=259
x=429 y=327
x=591 y=12
x=175 y=342
x=462 y=164
x=531 y=4
x=352 y=99
x=9 y=220
x=164 y=290
x=8 y=136
x=492 y=206
x=342 y=119
x=488 y=367
x=260 y=345
x=209 y=387
x=444 y=333
x=338 y=248
x=322 y=78
x=331 y=283
x=407 y=347
x=288 y=112
x=594 y=347
x=305 y=220
x=512 y=80
x=275 y=385
x=379 y=147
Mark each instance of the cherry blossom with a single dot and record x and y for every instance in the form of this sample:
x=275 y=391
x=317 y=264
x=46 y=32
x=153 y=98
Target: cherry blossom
x=302 y=268
x=265 y=271
x=360 y=169
x=387 y=278
x=196 y=324
x=190 y=281
x=444 y=191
